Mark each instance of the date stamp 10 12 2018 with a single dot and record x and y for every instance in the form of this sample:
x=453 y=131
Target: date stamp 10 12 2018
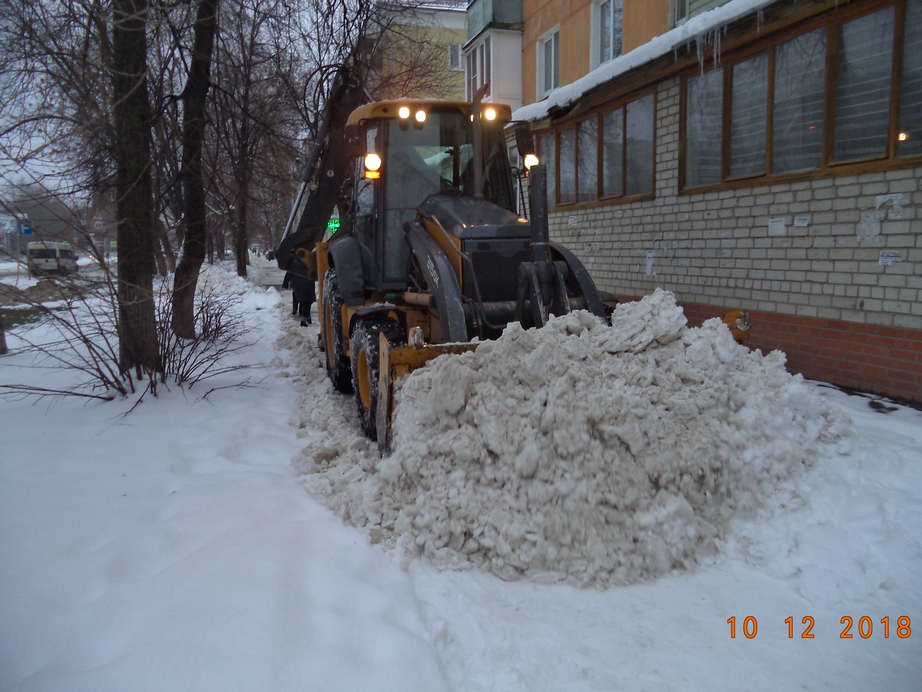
x=863 y=627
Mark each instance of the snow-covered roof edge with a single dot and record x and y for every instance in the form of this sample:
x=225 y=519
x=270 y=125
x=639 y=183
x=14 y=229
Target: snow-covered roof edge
x=697 y=28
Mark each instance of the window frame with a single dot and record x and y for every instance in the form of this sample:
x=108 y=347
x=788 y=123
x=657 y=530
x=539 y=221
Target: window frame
x=552 y=36
x=456 y=58
x=572 y=126
x=830 y=23
x=679 y=12
x=596 y=57
x=478 y=67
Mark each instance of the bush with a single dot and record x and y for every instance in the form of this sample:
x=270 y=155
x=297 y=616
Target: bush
x=74 y=326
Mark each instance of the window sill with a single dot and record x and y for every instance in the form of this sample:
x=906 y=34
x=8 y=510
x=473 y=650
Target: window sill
x=830 y=171
x=603 y=202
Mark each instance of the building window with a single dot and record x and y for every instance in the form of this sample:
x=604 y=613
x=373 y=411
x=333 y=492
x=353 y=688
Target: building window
x=703 y=125
x=684 y=9
x=548 y=62
x=486 y=67
x=455 y=64
x=587 y=165
x=479 y=68
x=680 y=11
x=909 y=139
x=749 y=104
x=603 y=156
x=610 y=13
x=863 y=86
x=812 y=102
x=797 y=129
x=613 y=154
x=567 y=164
x=638 y=147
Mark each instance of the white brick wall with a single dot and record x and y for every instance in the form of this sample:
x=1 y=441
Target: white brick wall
x=715 y=247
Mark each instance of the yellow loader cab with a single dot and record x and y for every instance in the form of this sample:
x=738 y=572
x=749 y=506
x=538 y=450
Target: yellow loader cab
x=45 y=258
x=431 y=252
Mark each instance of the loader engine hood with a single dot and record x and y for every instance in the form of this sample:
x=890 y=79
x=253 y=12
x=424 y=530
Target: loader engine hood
x=468 y=218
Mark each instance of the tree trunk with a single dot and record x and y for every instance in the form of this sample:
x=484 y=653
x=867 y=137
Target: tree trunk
x=240 y=227
x=167 y=247
x=194 y=96
x=240 y=238
x=138 y=346
x=158 y=257
x=210 y=246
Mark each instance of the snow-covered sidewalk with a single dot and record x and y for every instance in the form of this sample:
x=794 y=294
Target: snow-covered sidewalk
x=174 y=548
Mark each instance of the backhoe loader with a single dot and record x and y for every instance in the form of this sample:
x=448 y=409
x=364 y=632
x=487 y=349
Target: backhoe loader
x=431 y=256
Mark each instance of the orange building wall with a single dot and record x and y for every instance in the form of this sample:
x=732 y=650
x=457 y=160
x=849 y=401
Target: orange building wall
x=643 y=20
x=539 y=17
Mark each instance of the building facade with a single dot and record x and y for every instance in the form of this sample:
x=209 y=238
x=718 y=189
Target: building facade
x=493 y=51
x=762 y=155
x=420 y=52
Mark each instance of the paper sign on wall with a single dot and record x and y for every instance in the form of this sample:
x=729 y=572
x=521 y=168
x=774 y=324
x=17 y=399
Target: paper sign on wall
x=889 y=257
x=896 y=202
x=776 y=227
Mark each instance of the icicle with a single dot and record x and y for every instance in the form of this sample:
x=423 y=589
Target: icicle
x=716 y=47
x=760 y=17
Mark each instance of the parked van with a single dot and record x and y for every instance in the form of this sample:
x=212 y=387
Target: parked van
x=45 y=258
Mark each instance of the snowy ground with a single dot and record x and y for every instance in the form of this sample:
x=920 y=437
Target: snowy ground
x=173 y=547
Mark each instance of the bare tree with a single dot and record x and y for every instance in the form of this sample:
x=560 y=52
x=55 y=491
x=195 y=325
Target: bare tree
x=405 y=54
x=194 y=103
x=78 y=126
x=253 y=139
x=55 y=124
x=106 y=104
x=131 y=112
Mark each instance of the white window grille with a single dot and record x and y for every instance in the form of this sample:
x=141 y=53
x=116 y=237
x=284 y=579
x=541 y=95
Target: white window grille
x=548 y=62
x=610 y=14
x=455 y=64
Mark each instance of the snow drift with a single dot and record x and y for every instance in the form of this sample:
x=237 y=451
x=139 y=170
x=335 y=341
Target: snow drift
x=578 y=453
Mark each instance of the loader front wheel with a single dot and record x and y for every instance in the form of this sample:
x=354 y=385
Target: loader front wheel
x=332 y=329
x=366 y=368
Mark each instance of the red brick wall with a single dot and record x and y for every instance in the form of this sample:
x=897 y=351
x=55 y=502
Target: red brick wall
x=866 y=357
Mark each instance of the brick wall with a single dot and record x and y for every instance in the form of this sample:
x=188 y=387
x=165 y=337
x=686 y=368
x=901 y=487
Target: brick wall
x=830 y=269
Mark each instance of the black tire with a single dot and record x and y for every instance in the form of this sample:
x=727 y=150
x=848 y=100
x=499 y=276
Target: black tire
x=338 y=367
x=366 y=367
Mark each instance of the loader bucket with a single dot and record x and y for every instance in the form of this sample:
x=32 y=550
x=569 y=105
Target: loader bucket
x=396 y=363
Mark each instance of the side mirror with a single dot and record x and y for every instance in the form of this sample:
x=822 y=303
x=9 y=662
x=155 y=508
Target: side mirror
x=356 y=144
x=524 y=139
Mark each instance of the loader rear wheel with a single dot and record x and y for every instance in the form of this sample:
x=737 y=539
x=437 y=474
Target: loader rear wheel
x=366 y=368
x=333 y=343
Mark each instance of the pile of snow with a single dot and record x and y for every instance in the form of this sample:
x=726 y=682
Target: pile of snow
x=220 y=279
x=581 y=453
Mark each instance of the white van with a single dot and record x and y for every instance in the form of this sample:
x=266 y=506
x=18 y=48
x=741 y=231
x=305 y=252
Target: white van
x=50 y=258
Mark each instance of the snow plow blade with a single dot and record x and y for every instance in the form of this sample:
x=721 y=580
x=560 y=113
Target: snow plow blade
x=396 y=362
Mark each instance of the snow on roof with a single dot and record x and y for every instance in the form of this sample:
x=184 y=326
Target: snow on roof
x=446 y=5
x=697 y=29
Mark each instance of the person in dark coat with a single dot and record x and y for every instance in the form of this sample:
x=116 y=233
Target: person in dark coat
x=303 y=293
